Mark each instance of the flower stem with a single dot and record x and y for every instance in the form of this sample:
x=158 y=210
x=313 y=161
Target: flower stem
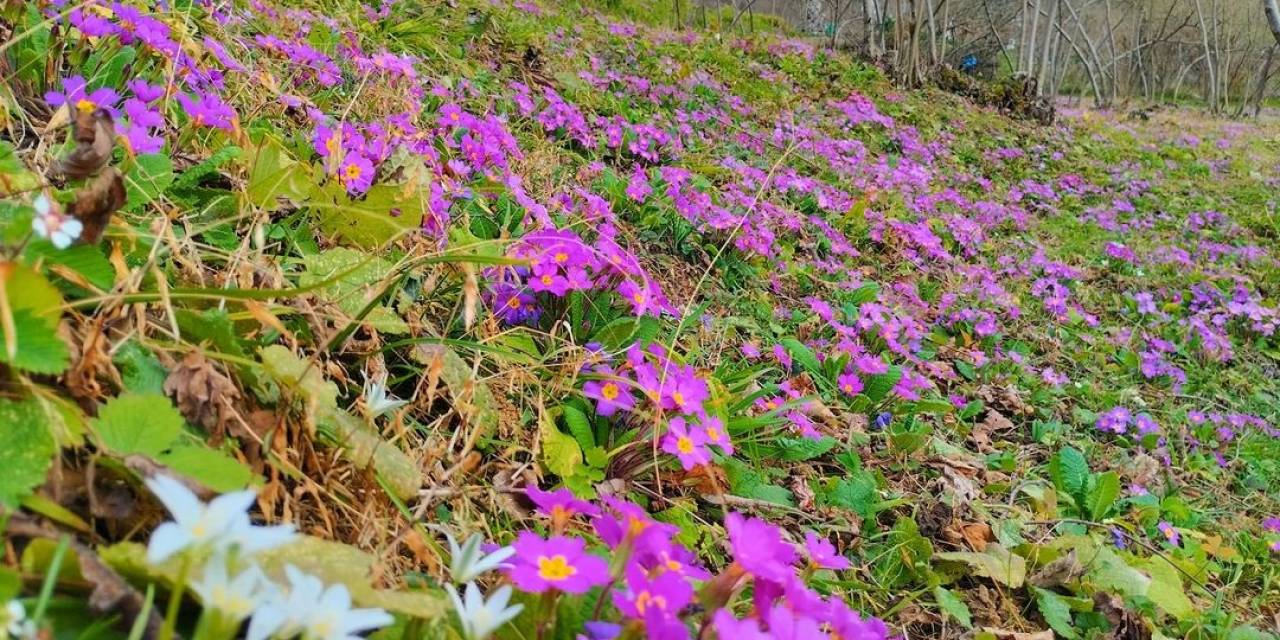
x=175 y=601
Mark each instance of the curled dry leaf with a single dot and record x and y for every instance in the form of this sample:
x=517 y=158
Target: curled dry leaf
x=1059 y=572
x=94 y=133
x=1126 y=624
x=203 y=394
x=96 y=202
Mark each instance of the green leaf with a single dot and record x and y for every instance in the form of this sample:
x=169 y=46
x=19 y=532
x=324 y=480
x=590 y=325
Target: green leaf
x=212 y=468
x=856 y=493
x=953 y=606
x=623 y=332
x=579 y=426
x=38 y=347
x=274 y=176
x=138 y=423
x=1109 y=571
x=996 y=563
x=362 y=281
x=803 y=355
x=1056 y=612
x=1102 y=494
x=149 y=176
x=560 y=452
x=26 y=450
x=86 y=260
x=864 y=294
x=139 y=369
x=879 y=386
x=1069 y=471
x=192 y=175
x=361 y=445
x=213 y=326
x=1166 y=589
x=384 y=212
x=798 y=449
x=30 y=290
x=281 y=365
x=748 y=483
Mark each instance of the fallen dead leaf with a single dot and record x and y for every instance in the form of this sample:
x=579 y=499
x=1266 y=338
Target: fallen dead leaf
x=94 y=133
x=96 y=202
x=1059 y=572
x=203 y=394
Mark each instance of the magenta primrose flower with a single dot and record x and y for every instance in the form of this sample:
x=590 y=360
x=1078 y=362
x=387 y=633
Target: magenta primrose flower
x=686 y=444
x=611 y=394
x=559 y=563
x=648 y=598
x=1170 y=533
x=356 y=173
x=822 y=553
x=560 y=503
x=759 y=549
x=713 y=428
x=730 y=628
x=849 y=383
x=75 y=96
x=208 y=110
x=1271 y=524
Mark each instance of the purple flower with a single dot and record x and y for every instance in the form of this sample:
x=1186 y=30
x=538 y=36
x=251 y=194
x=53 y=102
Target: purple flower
x=883 y=420
x=686 y=444
x=356 y=173
x=208 y=110
x=147 y=93
x=560 y=504
x=1169 y=532
x=559 y=563
x=759 y=549
x=74 y=96
x=732 y=628
x=1118 y=538
x=849 y=383
x=628 y=523
x=638 y=188
x=1146 y=425
x=1271 y=524
x=1116 y=420
x=713 y=429
x=823 y=554
x=611 y=394
x=648 y=599
x=871 y=365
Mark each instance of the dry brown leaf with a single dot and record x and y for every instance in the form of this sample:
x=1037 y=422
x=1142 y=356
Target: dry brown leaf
x=975 y=535
x=94 y=133
x=203 y=394
x=1059 y=572
x=1126 y=624
x=96 y=202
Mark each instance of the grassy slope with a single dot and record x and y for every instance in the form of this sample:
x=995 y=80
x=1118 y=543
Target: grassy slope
x=977 y=460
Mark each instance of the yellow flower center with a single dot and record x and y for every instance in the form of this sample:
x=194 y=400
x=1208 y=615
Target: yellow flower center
x=332 y=144
x=638 y=297
x=513 y=303
x=636 y=527
x=685 y=445
x=555 y=569
x=546 y=280
x=562 y=257
x=609 y=391
x=84 y=105
x=678 y=397
x=352 y=172
x=713 y=434
x=558 y=512
x=674 y=566
x=645 y=599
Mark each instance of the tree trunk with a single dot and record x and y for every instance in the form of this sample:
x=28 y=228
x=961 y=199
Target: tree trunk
x=1261 y=92
x=1272 y=9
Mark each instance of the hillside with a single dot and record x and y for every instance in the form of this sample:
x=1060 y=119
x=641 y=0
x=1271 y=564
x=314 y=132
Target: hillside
x=323 y=318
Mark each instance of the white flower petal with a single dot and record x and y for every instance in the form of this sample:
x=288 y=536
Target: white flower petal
x=166 y=540
x=185 y=507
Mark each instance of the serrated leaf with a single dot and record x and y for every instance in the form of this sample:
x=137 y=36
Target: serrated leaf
x=38 y=349
x=86 y=260
x=1056 y=612
x=748 y=483
x=1069 y=471
x=856 y=493
x=953 y=606
x=26 y=450
x=579 y=426
x=864 y=294
x=138 y=423
x=996 y=563
x=1103 y=493
x=139 y=369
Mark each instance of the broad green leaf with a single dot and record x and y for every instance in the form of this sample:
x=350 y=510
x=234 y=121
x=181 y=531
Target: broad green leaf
x=804 y=357
x=381 y=214
x=139 y=369
x=749 y=483
x=996 y=563
x=85 y=260
x=623 y=332
x=138 y=423
x=149 y=176
x=879 y=386
x=866 y=293
x=798 y=449
x=560 y=452
x=26 y=450
x=281 y=365
x=30 y=290
x=1110 y=571
x=274 y=176
x=1056 y=612
x=953 y=606
x=1069 y=471
x=579 y=426
x=857 y=493
x=1103 y=493
x=361 y=445
x=214 y=469
x=1166 y=589
x=37 y=347
x=355 y=289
